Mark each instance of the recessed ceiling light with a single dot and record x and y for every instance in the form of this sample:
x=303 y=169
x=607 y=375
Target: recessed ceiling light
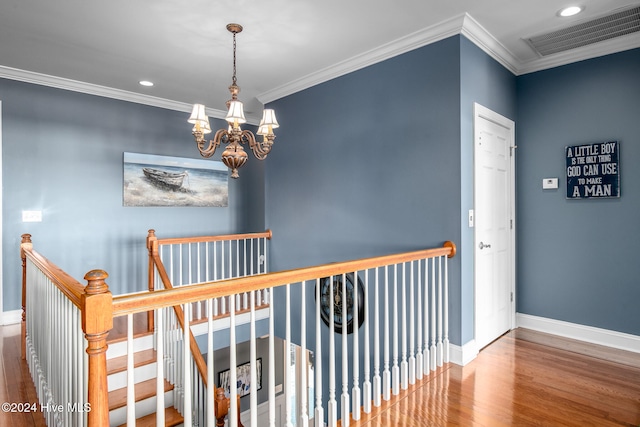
x=570 y=11
x=146 y=83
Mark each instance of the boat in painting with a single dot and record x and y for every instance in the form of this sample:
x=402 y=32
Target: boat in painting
x=172 y=180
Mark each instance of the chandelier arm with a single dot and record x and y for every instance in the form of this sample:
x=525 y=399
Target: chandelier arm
x=262 y=149
x=213 y=144
x=257 y=150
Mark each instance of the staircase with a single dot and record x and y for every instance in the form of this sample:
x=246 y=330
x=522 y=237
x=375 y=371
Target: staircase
x=145 y=384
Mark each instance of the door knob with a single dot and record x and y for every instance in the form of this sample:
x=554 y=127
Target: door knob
x=484 y=245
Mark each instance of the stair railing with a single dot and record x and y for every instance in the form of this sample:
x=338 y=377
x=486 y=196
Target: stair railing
x=409 y=338
x=64 y=335
x=184 y=262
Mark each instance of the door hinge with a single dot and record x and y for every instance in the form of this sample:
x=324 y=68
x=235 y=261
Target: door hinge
x=511 y=223
x=511 y=296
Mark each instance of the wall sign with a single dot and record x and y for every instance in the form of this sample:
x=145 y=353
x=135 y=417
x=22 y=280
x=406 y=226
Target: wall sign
x=593 y=170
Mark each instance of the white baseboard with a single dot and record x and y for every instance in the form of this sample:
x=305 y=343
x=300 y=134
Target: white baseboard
x=461 y=355
x=575 y=331
x=11 y=317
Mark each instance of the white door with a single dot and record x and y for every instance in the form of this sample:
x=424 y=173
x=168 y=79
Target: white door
x=494 y=137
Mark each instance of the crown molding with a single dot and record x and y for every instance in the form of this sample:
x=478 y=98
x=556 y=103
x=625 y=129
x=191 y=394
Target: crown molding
x=415 y=40
x=463 y=24
x=107 y=92
x=479 y=36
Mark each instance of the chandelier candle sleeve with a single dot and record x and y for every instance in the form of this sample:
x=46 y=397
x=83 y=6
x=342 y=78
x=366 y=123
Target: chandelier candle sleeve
x=234 y=137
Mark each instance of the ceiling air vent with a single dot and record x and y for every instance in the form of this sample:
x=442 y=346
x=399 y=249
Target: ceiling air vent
x=604 y=28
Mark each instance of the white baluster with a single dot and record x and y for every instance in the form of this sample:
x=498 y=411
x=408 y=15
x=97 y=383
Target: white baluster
x=319 y=411
x=366 y=384
x=432 y=350
x=131 y=394
x=395 y=369
x=377 y=385
x=404 y=366
x=189 y=265
x=211 y=385
x=419 y=354
x=233 y=377
x=332 y=410
x=386 y=375
x=180 y=276
x=446 y=312
x=186 y=366
x=253 y=397
x=159 y=367
x=355 y=391
x=344 y=398
x=426 y=369
x=288 y=392
x=412 y=331
x=304 y=394
x=272 y=364
x=440 y=356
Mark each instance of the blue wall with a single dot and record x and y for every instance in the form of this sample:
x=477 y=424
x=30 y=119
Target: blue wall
x=577 y=259
x=371 y=163
x=62 y=154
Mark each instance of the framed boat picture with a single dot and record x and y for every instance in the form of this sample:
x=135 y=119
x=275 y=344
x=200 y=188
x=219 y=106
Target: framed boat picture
x=152 y=180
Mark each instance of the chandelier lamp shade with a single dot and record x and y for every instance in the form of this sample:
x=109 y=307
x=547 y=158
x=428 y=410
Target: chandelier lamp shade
x=233 y=136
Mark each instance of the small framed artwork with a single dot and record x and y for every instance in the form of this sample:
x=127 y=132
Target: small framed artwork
x=243 y=378
x=593 y=170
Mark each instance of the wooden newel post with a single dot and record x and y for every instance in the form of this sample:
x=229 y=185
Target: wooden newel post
x=97 y=321
x=152 y=246
x=26 y=244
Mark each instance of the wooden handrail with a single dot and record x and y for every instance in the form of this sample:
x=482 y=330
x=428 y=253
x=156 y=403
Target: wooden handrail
x=199 y=239
x=145 y=301
x=95 y=305
x=69 y=286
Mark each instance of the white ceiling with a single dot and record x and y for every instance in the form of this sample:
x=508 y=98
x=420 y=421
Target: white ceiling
x=106 y=47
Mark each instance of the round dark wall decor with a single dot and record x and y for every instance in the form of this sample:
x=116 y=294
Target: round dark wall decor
x=341 y=317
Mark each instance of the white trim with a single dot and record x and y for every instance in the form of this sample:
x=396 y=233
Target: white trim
x=575 y=331
x=11 y=317
x=479 y=36
x=1 y=231
x=447 y=28
x=463 y=24
x=107 y=92
x=462 y=355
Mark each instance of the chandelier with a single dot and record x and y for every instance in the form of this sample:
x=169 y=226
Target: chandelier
x=234 y=137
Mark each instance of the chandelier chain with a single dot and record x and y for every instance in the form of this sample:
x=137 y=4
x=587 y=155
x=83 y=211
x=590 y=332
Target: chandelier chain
x=234 y=58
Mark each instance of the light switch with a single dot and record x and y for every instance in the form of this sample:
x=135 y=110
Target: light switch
x=31 y=216
x=550 y=183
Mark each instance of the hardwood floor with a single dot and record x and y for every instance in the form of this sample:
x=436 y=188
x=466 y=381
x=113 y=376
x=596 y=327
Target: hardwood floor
x=525 y=378
x=16 y=386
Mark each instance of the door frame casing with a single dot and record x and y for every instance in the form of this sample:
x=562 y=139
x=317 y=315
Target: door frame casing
x=479 y=111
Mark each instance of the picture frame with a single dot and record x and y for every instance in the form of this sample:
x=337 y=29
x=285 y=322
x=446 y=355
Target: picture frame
x=243 y=377
x=153 y=180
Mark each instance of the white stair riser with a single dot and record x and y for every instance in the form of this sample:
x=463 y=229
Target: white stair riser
x=140 y=374
x=143 y=407
x=118 y=349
